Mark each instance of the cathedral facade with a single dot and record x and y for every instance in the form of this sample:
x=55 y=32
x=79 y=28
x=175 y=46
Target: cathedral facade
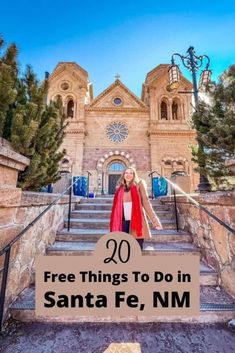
x=117 y=129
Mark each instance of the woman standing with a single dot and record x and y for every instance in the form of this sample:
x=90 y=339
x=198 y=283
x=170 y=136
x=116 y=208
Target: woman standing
x=130 y=206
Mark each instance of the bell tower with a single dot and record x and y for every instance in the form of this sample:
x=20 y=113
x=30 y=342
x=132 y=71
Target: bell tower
x=70 y=81
x=170 y=133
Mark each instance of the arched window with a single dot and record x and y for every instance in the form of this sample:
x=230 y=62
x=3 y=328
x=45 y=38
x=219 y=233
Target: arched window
x=168 y=163
x=58 y=98
x=116 y=166
x=179 y=163
x=70 y=109
x=65 y=166
x=175 y=111
x=164 y=110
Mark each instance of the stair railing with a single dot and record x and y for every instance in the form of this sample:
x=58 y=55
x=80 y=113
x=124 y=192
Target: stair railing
x=88 y=182
x=151 y=175
x=7 y=248
x=197 y=204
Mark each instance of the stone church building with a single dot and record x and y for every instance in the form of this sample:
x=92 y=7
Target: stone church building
x=118 y=129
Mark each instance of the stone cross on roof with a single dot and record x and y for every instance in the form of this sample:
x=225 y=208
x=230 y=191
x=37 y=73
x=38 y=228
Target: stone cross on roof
x=117 y=76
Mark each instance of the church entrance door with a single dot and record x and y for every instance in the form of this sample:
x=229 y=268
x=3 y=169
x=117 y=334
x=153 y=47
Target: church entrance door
x=115 y=169
x=113 y=178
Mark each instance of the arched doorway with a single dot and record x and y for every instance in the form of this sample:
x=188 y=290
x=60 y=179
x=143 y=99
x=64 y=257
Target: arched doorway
x=112 y=163
x=115 y=169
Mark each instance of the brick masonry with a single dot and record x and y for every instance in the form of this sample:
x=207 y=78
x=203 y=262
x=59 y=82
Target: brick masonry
x=139 y=156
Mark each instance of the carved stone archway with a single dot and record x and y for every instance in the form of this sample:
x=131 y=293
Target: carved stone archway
x=104 y=162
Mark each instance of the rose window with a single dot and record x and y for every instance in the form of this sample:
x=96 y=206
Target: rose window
x=117 y=132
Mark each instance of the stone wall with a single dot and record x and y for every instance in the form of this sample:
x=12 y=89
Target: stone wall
x=216 y=242
x=15 y=217
x=11 y=163
x=17 y=210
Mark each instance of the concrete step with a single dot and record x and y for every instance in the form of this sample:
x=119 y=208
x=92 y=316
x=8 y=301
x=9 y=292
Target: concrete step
x=106 y=213
x=110 y=200
x=86 y=200
x=215 y=306
x=108 y=206
x=157 y=202
x=104 y=196
x=76 y=234
x=60 y=248
x=93 y=206
x=97 y=200
x=208 y=276
x=97 y=223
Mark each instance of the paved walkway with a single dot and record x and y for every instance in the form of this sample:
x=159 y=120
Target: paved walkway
x=96 y=338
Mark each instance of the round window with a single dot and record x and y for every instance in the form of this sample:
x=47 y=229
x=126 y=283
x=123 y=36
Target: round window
x=117 y=101
x=117 y=132
x=64 y=86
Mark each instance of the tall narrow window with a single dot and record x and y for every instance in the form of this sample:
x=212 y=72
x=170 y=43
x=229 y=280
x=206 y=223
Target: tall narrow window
x=65 y=161
x=164 y=110
x=175 y=111
x=70 y=109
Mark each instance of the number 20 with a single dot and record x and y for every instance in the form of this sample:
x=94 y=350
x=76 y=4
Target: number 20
x=119 y=251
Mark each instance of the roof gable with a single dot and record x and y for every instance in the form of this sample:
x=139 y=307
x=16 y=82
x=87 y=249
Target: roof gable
x=72 y=69
x=161 y=70
x=129 y=100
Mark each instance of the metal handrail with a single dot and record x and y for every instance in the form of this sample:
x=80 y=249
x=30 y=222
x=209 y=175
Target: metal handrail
x=7 y=248
x=151 y=174
x=88 y=182
x=176 y=187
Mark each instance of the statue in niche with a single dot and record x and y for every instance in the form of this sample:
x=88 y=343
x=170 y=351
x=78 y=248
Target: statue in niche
x=175 y=111
x=164 y=111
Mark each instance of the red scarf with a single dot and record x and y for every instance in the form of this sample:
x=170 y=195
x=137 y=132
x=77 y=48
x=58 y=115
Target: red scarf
x=117 y=211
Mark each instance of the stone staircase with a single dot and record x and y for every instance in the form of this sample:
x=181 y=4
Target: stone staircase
x=90 y=220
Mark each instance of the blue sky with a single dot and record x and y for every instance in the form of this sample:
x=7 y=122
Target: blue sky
x=128 y=37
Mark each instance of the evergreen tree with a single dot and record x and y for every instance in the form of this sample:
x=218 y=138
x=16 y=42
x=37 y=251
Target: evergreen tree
x=37 y=132
x=215 y=125
x=8 y=83
x=34 y=128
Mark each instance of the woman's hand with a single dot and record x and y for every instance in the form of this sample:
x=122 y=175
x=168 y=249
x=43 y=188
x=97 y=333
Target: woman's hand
x=158 y=227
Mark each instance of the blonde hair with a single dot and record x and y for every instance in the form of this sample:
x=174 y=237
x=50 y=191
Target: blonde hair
x=134 y=181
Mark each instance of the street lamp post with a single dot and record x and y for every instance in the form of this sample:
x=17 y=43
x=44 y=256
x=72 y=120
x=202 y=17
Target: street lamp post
x=193 y=63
